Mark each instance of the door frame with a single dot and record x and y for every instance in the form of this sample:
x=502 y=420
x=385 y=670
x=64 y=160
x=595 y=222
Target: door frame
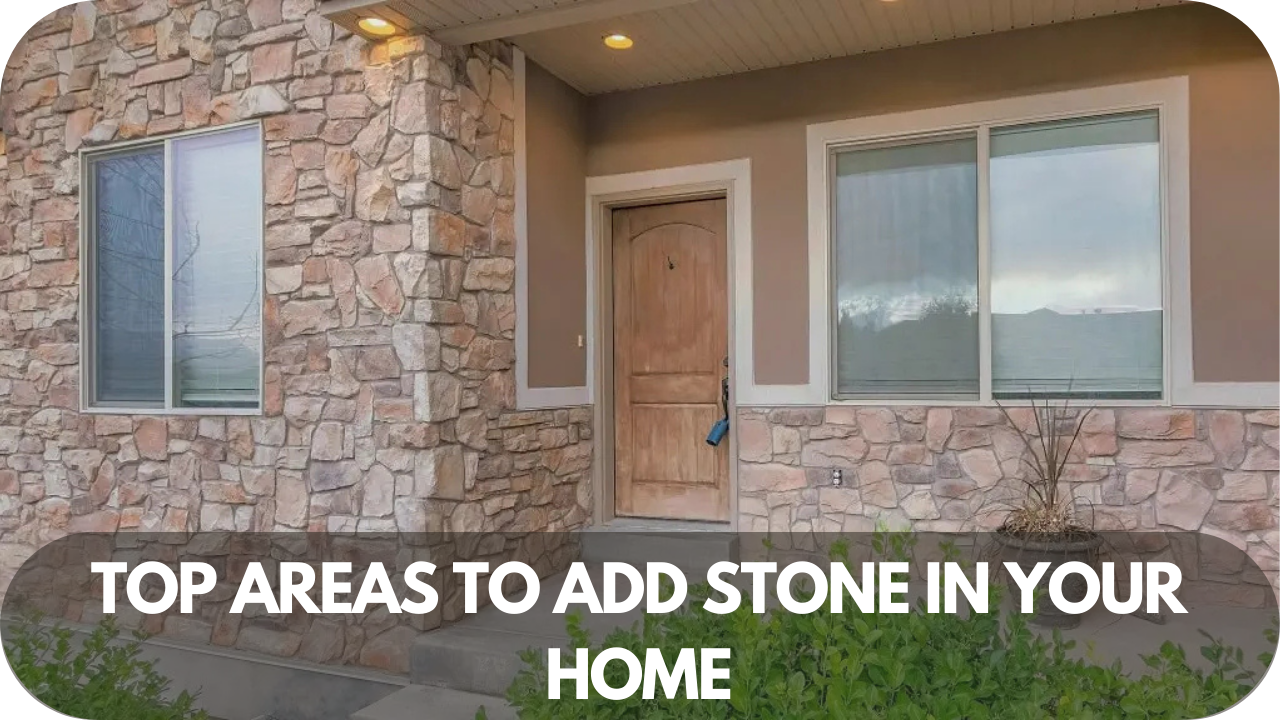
x=730 y=180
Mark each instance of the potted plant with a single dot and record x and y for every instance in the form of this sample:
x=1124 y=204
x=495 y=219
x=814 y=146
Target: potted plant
x=1044 y=525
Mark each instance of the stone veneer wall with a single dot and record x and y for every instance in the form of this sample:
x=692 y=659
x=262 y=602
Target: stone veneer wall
x=390 y=248
x=955 y=469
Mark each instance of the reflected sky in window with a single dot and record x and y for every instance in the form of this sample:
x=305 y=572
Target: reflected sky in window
x=1075 y=228
x=217 y=304
x=1075 y=216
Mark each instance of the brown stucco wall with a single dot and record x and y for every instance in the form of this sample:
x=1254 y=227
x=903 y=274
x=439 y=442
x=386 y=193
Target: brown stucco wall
x=556 y=133
x=1235 y=225
x=762 y=115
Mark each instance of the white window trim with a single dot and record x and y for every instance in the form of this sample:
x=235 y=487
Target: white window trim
x=87 y=405
x=1169 y=96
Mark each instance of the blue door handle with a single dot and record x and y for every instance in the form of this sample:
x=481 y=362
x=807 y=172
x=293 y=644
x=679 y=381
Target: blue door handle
x=721 y=428
x=718 y=431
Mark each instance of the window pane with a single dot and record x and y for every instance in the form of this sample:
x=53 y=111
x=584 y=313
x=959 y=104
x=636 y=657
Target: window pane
x=217 y=311
x=905 y=228
x=128 y=278
x=1076 y=292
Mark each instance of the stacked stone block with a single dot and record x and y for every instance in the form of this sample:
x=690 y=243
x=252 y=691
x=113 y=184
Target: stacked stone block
x=960 y=469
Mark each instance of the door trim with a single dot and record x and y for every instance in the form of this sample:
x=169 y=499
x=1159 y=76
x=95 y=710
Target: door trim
x=730 y=180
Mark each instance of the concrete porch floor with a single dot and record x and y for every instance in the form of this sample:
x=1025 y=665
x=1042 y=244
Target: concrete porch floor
x=1101 y=637
x=1104 y=638
x=471 y=663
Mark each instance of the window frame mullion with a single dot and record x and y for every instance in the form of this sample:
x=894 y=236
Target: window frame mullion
x=168 y=276
x=89 y=284
x=984 y=265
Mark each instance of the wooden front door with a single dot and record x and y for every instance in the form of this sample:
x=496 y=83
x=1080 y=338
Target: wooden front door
x=671 y=339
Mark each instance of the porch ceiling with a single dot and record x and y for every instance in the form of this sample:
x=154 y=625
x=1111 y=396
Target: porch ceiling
x=680 y=40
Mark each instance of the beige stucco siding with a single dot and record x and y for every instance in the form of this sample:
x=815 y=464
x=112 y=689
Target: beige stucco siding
x=555 y=127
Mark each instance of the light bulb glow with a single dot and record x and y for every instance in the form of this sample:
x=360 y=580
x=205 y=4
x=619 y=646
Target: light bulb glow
x=377 y=26
x=618 y=41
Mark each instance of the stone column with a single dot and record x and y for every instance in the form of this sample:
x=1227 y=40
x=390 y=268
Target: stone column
x=389 y=265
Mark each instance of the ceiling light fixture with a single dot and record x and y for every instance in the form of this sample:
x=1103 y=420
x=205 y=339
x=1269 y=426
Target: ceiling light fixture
x=618 y=41
x=377 y=26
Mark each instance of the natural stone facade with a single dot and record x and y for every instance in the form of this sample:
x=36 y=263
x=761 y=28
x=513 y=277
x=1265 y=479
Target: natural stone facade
x=958 y=469
x=389 y=266
x=390 y=317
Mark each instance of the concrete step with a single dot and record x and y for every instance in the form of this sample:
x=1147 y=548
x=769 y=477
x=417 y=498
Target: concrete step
x=423 y=702
x=481 y=654
x=691 y=551
x=480 y=660
x=474 y=661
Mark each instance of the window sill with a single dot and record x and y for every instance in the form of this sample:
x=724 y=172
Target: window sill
x=174 y=412
x=945 y=402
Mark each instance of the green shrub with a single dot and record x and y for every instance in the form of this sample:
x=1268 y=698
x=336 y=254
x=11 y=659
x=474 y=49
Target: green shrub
x=912 y=666
x=102 y=678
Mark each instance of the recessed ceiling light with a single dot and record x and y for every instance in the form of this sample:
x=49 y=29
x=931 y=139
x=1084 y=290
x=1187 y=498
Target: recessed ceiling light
x=377 y=26
x=618 y=41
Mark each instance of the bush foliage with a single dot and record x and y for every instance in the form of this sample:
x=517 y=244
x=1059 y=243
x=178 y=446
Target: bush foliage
x=912 y=666
x=101 y=678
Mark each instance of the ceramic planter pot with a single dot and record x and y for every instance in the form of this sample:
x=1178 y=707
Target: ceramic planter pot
x=1027 y=551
